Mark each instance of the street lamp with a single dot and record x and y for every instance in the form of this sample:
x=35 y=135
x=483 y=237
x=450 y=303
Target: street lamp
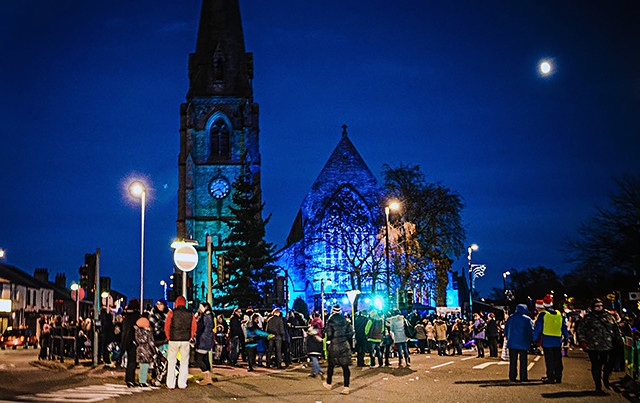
x=75 y=287
x=2 y=253
x=137 y=189
x=164 y=288
x=75 y=293
x=504 y=284
x=470 y=249
x=392 y=206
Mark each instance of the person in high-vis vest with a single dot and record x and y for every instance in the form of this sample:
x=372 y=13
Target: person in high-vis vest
x=550 y=330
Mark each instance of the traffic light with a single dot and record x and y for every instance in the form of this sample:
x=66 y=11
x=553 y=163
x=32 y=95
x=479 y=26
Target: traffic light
x=84 y=276
x=175 y=288
x=90 y=263
x=224 y=268
x=220 y=271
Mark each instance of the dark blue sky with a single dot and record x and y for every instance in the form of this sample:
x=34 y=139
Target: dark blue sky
x=91 y=94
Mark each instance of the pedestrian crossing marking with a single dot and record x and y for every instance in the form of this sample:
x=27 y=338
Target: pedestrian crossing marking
x=486 y=364
x=442 y=365
x=84 y=394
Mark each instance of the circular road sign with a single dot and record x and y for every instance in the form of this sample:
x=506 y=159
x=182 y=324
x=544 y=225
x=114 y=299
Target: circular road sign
x=79 y=291
x=185 y=257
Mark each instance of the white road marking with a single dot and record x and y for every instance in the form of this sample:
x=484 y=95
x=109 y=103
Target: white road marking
x=483 y=365
x=84 y=394
x=442 y=365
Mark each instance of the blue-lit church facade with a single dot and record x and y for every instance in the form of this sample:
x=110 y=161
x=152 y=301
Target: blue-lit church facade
x=337 y=239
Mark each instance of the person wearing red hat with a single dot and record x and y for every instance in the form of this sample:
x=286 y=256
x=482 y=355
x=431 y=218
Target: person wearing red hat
x=551 y=330
x=180 y=327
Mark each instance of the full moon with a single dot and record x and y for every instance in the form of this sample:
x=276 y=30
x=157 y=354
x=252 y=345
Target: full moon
x=545 y=67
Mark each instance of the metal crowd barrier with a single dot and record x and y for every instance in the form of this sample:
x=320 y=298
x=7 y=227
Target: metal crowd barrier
x=631 y=348
x=63 y=343
x=296 y=346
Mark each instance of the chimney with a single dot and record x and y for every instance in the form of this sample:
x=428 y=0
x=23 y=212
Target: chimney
x=61 y=280
x=42 y=275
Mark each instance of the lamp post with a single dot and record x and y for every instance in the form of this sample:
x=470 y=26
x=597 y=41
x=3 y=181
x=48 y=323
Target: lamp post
x=164 y=289
x=504 y=282
x=392 y=206
x=75 y=288
x=137 y=189
x=470 y=249
x=504 y=285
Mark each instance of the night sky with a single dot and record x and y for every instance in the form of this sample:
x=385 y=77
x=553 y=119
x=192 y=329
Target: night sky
x=91 y=94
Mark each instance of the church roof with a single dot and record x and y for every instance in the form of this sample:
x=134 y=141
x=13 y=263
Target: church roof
x=345 y=167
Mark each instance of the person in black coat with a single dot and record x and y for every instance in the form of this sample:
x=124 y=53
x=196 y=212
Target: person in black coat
x=339 y=333
x=493 y=334
x=132 y=314
x=106 y=335
x=361 y=320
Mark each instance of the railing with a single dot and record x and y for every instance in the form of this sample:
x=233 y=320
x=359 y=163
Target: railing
x=296 y=346
x=631 y=348
x=63 y=343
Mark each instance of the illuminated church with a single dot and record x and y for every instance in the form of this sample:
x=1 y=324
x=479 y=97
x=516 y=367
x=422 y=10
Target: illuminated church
x=336 y=230
x=335 y=239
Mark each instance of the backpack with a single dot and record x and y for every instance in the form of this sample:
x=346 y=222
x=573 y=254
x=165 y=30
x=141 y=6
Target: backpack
x=409 y=330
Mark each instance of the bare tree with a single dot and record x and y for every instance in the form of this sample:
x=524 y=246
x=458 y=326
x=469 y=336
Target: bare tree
x=435 y=210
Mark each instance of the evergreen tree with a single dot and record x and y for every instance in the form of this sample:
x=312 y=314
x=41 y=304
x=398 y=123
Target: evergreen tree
x=251 y=269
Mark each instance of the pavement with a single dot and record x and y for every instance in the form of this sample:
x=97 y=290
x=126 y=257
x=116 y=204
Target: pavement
x=103 y=374
x=218 y=372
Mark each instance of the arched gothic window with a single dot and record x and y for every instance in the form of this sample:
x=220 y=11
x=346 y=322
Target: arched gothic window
x=219 y=139
x=346 y=227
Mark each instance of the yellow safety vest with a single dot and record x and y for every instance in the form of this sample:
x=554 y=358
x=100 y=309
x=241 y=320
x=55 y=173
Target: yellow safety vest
x=552 y=324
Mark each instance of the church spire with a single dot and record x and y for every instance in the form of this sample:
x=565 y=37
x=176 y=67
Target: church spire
x=220 y=66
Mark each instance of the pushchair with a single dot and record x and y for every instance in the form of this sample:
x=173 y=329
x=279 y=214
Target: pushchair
x=115 y=354
x=160 y=368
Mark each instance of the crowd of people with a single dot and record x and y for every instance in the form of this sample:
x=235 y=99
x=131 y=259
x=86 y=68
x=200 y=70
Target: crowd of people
x=163 y=342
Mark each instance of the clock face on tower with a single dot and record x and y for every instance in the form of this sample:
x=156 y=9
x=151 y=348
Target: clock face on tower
x=219 y=188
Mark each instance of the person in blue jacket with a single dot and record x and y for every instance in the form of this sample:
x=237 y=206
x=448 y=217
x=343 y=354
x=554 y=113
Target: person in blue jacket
x=253 y=335
x=518 y=330
x=550 y=329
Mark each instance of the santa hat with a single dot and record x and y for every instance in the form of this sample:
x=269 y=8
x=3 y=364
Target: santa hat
x=336 y=310
x=539 y=304
x=547 y=300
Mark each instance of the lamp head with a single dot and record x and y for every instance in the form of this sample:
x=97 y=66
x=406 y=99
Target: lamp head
x=136 y=188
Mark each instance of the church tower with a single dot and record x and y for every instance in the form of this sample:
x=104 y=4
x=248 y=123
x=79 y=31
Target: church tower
x=218 y=134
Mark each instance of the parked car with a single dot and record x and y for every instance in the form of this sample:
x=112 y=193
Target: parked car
x=18 y=338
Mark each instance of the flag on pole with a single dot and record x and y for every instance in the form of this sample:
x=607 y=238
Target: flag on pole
x=478 y=270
